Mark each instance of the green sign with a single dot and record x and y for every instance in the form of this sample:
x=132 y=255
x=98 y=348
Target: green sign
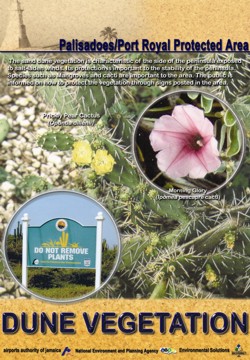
x=62 y=243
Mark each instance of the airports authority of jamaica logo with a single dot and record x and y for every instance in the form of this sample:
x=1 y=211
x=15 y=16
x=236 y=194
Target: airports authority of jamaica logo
x=238 y=351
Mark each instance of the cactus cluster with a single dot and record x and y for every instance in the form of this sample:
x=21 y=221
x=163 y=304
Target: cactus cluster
x=238 y=84
x=170 y=248
x=211 y=252
x=18 y=232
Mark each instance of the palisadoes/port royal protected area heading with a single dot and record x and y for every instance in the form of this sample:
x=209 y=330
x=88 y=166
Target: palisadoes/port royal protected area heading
x=145 y=45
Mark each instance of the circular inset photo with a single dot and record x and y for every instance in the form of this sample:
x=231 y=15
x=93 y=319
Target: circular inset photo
x=188 y=143
x=62 y=246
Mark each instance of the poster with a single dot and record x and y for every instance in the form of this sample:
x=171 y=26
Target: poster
x=141 y=110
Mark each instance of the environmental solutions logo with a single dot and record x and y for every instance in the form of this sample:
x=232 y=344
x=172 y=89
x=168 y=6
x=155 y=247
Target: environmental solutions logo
x=168 y=350
x=238 y=351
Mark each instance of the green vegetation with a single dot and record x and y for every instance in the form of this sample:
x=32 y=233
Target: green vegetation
x=54 y=282
x=67 y=292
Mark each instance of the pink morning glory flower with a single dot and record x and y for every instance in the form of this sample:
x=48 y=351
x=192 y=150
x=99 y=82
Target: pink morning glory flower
x=185 y=143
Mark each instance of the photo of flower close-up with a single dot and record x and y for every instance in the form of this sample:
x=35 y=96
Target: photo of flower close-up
x=188 y=140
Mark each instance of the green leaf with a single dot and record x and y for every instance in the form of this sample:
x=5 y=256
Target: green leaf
x=96 y=99
x=206 y=103
x=210 y=239
x=3 y=175
x=160 y=290
x=60 y=97
x=222 y=264
x=56 y=141
x=2 y=267
x=133 y=251
x=30 y=183
x=118 y=119
x=184 y=264
x=123 y=171
x=242 y=110
x=243 y=240
x=222 y=137
x=234 y=141
x=172 y=209
x=229 y=118
x=192 y=95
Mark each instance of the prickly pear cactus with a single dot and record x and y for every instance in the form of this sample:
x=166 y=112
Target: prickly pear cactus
x=56 y=141
x=96 y=99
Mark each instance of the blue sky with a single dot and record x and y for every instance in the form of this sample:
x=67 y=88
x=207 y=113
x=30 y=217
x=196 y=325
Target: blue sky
x=66 y=204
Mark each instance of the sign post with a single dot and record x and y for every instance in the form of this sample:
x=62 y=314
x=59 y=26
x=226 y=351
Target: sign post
x=25 y=220
x=98 y=262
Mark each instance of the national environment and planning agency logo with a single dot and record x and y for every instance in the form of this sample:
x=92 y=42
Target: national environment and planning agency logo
x=238 y=351
x=168 y=350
